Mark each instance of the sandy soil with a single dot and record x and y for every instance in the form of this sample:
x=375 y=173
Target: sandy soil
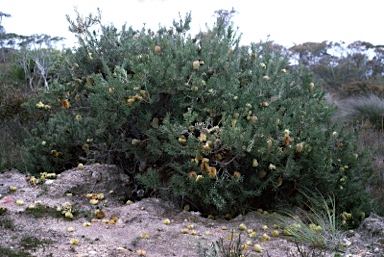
x=126 y=229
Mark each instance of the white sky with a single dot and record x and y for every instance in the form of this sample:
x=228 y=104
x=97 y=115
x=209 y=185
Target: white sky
x=287 y=22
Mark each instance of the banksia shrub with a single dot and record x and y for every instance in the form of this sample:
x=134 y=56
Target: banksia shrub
x=205 y=121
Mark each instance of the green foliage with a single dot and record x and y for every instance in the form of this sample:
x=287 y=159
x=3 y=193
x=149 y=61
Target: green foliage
x=203 y=120
x=59 y=149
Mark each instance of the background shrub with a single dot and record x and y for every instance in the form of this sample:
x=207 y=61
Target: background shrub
x=359 y=89
x=13 y=120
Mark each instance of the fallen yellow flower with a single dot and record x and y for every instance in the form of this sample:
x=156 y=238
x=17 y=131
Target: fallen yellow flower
x=257 y=248
x=74 y=241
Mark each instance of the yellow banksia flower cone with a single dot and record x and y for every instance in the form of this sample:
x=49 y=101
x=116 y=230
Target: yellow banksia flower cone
x=196 y=65
x=65 y=103
x=74 y=241
x=242 y=227
x=265 y=238
x=275 y=233
x=257 y=248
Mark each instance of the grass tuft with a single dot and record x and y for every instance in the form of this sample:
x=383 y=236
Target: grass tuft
x=235 y=248
x=8 y=252
x=317 y=228
x=6 y=223
x=32 y=243
x=367 y=110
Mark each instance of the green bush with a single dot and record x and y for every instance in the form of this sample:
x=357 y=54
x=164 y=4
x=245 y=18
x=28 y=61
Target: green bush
x=201 y=120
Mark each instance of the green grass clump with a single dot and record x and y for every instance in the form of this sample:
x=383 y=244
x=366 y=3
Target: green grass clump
x=41 y=211
x=235 y=248
x=8 y=252
x=318 y=227
x=6 y=223
x=367 y=110
x=32 y=243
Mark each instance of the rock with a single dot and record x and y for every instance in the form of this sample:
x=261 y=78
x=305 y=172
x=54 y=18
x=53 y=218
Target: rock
x=239 y=218
x=92 y=253
x=12 y=178
x=7 y=201
x=91 y=179
x=144 y=209
x=123 y=250
x=374 y=224
x=347 y=242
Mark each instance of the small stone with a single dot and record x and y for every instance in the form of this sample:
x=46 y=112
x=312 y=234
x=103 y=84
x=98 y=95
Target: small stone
x=347 y=242
x=122 y=249
x=92 y=253
x=7 y=200
x=49 y=181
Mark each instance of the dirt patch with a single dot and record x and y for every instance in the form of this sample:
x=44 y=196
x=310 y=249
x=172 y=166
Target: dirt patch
x=124 y=229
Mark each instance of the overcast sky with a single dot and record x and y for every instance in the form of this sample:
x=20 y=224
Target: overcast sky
x=287 y=22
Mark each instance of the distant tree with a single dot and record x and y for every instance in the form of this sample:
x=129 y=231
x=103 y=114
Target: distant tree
x=37 y=65
x=34 y=55
x=337 y=64
x=3 y=36
x=376 y=64
x=310 y=53
x=226 y=15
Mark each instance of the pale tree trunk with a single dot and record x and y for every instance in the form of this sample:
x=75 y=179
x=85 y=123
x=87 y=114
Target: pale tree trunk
x=24 y=61
x=44 y=59
x=44 y=73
